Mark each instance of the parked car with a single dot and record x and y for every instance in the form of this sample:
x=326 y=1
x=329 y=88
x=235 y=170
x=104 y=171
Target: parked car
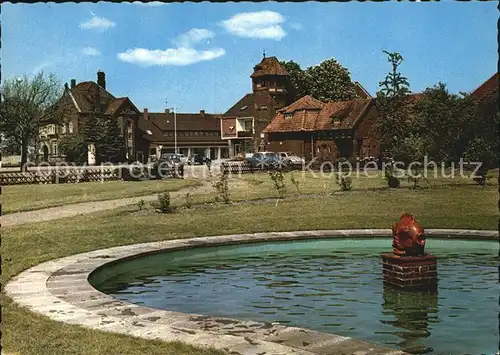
x=292 y=158
x=183 y=158
x=198 y=159
x=169 y=163
x=267 y=160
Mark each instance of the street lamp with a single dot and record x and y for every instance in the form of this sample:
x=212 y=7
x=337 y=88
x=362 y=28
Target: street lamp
x=175 y=128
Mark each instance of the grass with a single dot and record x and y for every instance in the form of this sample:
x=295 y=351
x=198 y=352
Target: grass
x=28 y=245
x=16 y=198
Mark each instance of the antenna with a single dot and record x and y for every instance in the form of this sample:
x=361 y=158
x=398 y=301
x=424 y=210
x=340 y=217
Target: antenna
x=166 y=103
x=264 y=53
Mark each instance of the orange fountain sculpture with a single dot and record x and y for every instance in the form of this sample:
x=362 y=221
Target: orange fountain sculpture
x=408 y=267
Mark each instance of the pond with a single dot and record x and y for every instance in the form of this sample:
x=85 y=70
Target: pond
x=332 y=285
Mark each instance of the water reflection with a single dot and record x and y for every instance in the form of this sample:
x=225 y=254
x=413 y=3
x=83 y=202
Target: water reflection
x=413 y=315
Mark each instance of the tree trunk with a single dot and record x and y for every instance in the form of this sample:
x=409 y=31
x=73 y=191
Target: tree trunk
x=24 y=156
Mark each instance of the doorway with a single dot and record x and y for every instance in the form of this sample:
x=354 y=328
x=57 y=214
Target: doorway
x=45 y=151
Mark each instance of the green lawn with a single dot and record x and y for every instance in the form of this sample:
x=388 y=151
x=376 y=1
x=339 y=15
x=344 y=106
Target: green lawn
x=443 y=206
x=17 y=198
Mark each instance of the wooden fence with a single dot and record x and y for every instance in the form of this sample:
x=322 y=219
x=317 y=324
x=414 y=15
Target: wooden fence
x=242 y=167
x=59 y=176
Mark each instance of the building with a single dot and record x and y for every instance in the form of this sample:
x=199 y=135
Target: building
x=325 y=130
x=243 y=124
x=74 y=107
x=190 y=133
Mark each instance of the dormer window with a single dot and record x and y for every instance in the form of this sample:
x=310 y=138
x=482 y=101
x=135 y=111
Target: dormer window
x=336 y=120
x=288 y=115
x=243 y=108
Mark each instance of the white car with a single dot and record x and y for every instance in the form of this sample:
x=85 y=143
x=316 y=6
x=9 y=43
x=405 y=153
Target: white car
x=292 y=158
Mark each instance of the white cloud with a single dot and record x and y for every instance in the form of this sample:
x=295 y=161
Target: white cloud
x=149 y=4
x=261 y=24
x=97 y=23
x=90 y=51
x=193 y=36
x=171 y=56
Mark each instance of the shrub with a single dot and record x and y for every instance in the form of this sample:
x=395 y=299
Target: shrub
x=279 y=183
x=74 y=147
x=163 y=203
x=295 y=183
x=221 y=186
x=188 y=196
x=345 y=182
x=141 y=204
x=392 y=181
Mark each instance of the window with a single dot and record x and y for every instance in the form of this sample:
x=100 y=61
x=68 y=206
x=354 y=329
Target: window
x=263 y=108
x=70 y=127
x=247 y=125
x=336 y=120
x=51 y=129
x=288 y=115
x=63 y=129
x=243 y=108
x=54 y=148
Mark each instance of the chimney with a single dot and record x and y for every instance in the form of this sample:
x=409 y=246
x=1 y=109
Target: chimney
x=167 y=110
x=146 y=114
x=73 y=83
x=202 y=113
x=101 y=79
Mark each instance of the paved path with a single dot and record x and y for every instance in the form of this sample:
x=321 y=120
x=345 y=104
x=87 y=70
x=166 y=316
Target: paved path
x=82 y=208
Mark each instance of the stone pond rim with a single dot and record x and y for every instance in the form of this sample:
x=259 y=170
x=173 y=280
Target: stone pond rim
x=60 y=290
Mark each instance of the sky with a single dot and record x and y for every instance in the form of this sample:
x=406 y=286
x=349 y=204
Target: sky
x=198 y=56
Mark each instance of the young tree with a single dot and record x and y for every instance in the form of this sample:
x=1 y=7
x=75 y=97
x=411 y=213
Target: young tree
x=23 y=102
x=329 y=81
x=398 y=127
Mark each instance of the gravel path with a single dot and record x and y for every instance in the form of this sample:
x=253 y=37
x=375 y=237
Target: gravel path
x=82 y=208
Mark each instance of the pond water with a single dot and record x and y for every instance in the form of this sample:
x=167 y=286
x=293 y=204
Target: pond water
x=332 y=285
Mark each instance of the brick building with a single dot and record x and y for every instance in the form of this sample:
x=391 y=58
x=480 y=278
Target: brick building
x=325 y=130
x=191 y=133
x=243 y=124
x=74 y=107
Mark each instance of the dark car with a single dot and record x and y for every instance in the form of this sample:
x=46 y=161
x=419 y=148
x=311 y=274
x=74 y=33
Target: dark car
x=169 y=164
x=198 y=159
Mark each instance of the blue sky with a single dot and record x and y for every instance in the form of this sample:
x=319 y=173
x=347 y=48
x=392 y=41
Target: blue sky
x=200 y=55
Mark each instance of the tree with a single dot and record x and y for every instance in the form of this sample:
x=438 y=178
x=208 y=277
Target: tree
x=74 y=147
x=23 y=103
x=446 y=121
x=297 y=85
x=105 y=133
x=398 y=125
x=329 y=81
x=110 y=146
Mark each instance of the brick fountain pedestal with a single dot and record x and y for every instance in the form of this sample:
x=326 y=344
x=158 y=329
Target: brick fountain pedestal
x=410 y=273
x=408 y=268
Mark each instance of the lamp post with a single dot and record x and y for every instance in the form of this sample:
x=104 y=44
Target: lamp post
x=175 y=127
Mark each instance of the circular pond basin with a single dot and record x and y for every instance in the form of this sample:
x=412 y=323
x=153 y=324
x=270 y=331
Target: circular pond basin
x=332 y=285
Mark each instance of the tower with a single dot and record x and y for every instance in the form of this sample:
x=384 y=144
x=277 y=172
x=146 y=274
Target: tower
x=269 y=78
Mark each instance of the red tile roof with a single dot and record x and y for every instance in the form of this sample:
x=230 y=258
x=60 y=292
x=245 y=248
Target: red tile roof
x=269 y=66
x=304 y=103
x=309 y=114
x=361 y=91
x=487 y=91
